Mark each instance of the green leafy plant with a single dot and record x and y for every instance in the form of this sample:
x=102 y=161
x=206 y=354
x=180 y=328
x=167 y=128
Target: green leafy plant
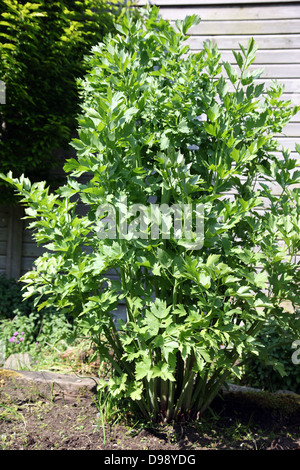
x=185 y=129
x=273 y=369
x=108 y=412
x=42 y=45
x=23 y=327
x=35 y=331
x=11 y=299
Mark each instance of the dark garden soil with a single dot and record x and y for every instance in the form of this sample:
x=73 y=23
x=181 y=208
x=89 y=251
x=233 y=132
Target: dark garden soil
x=41 y=418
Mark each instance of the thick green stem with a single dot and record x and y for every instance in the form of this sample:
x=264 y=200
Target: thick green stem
x=118 y=353
x=180 y=400
x=183 y=401
x=170 y=409
x=165 y=195
x=213 y=391
x=180 y=371
x=214 y=385
x=164 y=391
x=153 y=397
x=124 y=288
x=199 y=390
x=104 y=352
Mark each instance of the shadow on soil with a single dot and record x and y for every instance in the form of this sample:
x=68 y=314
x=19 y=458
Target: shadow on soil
x=41 y=417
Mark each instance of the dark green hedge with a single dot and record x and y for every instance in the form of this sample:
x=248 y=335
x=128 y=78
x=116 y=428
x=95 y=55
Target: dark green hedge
x=274 y=369
x=11 y=299
x=42 y=46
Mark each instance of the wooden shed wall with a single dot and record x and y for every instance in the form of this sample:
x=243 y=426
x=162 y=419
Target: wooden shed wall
x=275 y=26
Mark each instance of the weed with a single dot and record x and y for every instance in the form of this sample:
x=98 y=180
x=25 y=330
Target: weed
x=11 y=414
x=108 y=412
x=3 y=442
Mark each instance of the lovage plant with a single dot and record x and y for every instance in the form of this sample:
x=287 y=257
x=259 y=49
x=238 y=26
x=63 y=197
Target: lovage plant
x=162 y=127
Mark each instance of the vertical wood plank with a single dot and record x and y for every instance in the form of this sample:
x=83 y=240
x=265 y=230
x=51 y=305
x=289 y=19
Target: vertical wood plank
x=14 y=242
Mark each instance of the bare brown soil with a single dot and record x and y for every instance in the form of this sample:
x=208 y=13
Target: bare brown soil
x=41 y=418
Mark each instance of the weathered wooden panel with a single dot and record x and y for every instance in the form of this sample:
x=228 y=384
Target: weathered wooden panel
x=3 y=216
x=2 y=264
x=287 y=142
x=4 y=220
x=237 y=13
x=187 y=3
x=247 y=27
x=31 y=250
x=274 y=41
x=292 y=130
x=276 y=56
x=278 y=71
x=14 y=242
x=27 y=236
x=27 y=264
x=275 y=72
x=3 y=248
x=295 y=118
x=291 y=86
x=3 y=234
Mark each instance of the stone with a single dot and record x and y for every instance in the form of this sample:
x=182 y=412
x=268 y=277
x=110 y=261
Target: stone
x=232 y=388
x=8 y=374
x=18 y=361
x=68 y=388
x=65 y=382
x=286 y=392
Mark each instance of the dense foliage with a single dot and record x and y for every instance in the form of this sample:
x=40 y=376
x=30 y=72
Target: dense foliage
x=22 y=327
x=274 y=368
x=182 y=129
x=11 y=299
x=42 y=45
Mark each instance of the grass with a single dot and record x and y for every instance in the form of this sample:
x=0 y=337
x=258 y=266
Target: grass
x=109 y=412
x=10 y=413
x=77 y=358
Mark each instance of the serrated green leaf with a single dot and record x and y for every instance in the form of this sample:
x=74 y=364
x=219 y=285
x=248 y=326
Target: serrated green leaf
x=183 y=126
x=164 y=142
x=136 y=392
x=142 y=368
x=163 y=371
x=159 y=309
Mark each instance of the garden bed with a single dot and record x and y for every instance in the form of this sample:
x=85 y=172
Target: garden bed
x=40 y=416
